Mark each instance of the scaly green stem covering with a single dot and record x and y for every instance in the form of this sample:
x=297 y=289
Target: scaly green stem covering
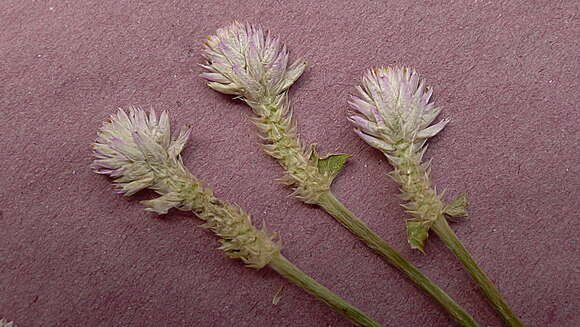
x=429 y=212
x=282 y=143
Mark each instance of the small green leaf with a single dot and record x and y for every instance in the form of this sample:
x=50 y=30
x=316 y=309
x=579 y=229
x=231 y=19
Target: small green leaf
x=417 y=233
x=457 y=208
x=332 y=164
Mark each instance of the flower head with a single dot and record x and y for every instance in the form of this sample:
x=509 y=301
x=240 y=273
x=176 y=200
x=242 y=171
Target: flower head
x=393 y=108
x=243 y=61
x=133 y=147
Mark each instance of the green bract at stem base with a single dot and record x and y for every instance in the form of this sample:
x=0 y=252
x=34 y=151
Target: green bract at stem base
x=444 y=231
x=289 y=271
x=429 y=212
x=336 y=209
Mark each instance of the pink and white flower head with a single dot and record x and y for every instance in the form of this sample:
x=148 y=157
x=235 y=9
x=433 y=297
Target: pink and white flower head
x=135 y=148
x=393 y=110
x=243 y=61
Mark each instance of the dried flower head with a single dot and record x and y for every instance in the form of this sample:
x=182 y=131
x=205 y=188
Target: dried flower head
x=394 y=114
x=129 y=147
x=136 y=149
x=393 y=109
x=242 y=60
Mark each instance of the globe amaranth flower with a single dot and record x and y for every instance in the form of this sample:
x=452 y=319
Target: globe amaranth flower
x=393 y=109
x=137 y=150
x=242 y=60
x=394 y=114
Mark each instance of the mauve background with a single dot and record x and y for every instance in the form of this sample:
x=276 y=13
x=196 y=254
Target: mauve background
x=73 y=253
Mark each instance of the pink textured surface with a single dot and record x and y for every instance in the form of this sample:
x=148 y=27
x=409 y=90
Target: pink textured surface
x=73 y=253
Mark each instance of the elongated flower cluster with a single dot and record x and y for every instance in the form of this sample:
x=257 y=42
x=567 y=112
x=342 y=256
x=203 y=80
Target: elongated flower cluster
x=136 y=149
x=244 y=61
x=393 y=114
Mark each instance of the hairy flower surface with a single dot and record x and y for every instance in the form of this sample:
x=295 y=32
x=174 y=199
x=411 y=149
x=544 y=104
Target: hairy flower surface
x=137 y=150
x=244 y=61
x=394 y=114
x=394 y=109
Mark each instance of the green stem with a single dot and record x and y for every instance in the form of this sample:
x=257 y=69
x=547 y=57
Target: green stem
x=336 y=209
x=444 y=231
x=289 y=271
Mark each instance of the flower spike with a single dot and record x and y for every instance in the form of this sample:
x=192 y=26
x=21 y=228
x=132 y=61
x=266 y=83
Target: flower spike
x=244 y=61
x=393 y=113
x=137 y=150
